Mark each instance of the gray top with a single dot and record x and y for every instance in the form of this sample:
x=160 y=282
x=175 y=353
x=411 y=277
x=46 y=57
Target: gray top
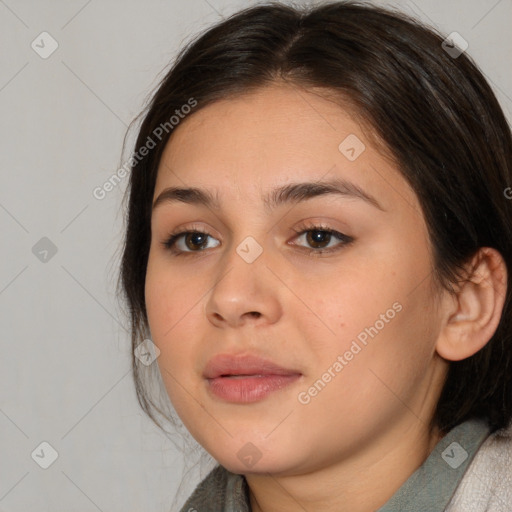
x=430 y=487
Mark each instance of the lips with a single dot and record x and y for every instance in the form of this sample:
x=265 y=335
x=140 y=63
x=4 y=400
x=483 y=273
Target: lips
x=225 y=365
x=246 y=379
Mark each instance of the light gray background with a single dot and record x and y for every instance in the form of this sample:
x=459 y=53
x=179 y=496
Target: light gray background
x=65 y=358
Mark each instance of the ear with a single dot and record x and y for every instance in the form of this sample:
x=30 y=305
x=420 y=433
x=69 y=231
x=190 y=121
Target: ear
x=474 y=312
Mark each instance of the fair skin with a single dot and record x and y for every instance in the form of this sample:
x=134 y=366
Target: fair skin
x=358 y=439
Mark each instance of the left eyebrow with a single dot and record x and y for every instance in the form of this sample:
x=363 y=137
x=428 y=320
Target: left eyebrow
x=297 y=192
x=291 y=193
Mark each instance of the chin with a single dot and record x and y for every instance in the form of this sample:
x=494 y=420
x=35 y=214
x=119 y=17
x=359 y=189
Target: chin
x=250 y=460
x=259 y=468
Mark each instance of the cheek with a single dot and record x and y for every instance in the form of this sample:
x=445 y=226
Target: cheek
x=168 y=299
x=174 y=309
x=381 y=318
x=355 y=305
x=375 y=366
x=397 y=349
x=172 y=316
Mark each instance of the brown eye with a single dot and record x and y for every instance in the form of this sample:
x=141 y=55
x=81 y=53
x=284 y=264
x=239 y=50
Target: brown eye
x=318 y=239
x=188 y=242
x=195 y=240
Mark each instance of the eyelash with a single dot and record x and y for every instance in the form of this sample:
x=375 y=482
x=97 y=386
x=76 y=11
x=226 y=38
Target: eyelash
x=301 y=230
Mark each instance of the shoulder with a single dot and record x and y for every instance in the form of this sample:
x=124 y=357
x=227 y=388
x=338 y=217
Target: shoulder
x=209 y=492
x=487 y=483
x=220 y=491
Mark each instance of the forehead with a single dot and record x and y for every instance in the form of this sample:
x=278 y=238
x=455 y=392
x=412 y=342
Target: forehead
x=272 y=136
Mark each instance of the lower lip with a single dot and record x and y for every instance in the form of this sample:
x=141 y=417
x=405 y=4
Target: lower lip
x=249 y=389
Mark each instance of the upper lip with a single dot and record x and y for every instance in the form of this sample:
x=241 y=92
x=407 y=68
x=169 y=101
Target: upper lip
x=226 y=364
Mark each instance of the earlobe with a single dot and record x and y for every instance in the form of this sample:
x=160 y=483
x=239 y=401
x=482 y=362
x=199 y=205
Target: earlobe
x=477 y=307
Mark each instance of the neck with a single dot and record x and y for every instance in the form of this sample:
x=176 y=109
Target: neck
x=362 y=482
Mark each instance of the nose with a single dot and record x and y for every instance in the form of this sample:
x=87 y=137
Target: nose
x=243 y=293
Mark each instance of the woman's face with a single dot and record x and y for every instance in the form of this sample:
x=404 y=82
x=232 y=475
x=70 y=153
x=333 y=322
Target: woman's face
x=351 y=318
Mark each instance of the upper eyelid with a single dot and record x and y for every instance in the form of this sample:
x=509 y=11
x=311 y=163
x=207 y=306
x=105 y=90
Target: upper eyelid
x=319 y=226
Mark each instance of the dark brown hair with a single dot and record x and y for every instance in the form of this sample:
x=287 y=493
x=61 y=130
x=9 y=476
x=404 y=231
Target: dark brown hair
x=436 y=115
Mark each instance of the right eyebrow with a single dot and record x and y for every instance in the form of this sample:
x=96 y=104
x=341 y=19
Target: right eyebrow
x=191 y=195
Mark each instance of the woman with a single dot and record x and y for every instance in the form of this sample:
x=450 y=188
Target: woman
x=319 y=245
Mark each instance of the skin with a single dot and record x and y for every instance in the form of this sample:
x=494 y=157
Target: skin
x=353 y=445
